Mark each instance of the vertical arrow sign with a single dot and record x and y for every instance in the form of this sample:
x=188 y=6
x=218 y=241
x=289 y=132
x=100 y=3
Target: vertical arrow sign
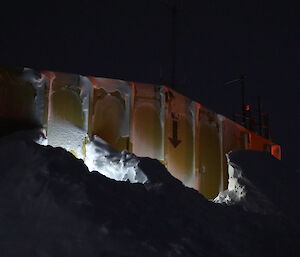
x=174 y=139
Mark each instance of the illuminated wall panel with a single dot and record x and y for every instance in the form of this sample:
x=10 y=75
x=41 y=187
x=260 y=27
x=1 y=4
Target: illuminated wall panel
x=147 y=121
x=68 y=115
x=22 y=102
x=209 y=163
x=179 y=137
x=110 y=111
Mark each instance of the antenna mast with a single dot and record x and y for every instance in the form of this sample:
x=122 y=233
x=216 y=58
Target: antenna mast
x=241 y=82
x=174 y=6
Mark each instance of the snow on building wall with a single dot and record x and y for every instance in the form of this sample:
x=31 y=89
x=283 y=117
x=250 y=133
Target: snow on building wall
x=110 y=111
x=68 y=111
x=149 y=120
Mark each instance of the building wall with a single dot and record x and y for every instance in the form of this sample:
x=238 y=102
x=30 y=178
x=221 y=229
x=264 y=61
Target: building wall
x=149 y=120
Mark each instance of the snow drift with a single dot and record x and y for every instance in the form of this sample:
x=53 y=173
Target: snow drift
x=260 y=183
x=101 y=157
x=52 y=205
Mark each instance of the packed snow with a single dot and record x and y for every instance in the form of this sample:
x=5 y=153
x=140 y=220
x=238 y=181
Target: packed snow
x=257 y=185
x=100 y=156
x=52 y=205
x=119 y=166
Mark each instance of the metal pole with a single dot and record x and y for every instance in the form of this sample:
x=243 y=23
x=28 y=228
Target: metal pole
x=241 y=81
x=243 y=99
x=174 y=45
x=259 y=116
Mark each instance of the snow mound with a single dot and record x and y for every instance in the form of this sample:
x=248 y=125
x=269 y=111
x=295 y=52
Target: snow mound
x=100 y=156
x=111 y=163
x=52 y=205
x=261 y=183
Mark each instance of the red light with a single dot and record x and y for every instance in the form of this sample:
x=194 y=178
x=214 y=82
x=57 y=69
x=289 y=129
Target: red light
x=247 y=107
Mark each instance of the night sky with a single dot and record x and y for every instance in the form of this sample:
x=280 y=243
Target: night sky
x=217 y=41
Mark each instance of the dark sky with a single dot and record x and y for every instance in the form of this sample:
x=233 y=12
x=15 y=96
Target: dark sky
x=217 y=41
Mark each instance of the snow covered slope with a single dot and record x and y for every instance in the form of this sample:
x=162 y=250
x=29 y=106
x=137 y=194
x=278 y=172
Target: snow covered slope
x=52 y=205
x=260 y=183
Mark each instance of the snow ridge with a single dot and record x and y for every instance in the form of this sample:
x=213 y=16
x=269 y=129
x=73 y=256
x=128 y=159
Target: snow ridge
x=241 y=191
x=123 y=166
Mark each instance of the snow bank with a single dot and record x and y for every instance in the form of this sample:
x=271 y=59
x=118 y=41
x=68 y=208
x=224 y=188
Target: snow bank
x=261 y=183
x=52 y=205
x=111 y=163
x=100 y=156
